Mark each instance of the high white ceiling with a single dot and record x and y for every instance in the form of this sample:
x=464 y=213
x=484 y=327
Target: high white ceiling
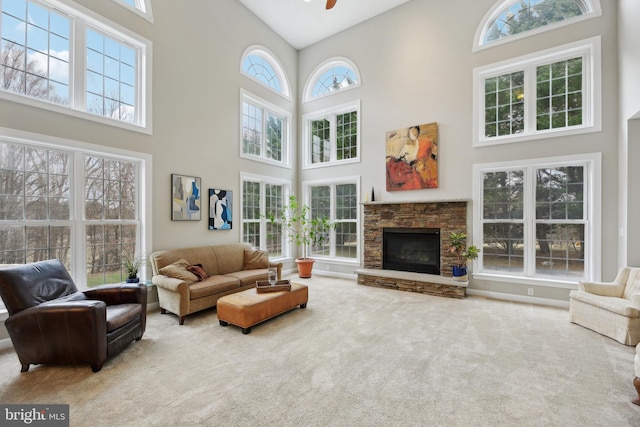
x=302 y=23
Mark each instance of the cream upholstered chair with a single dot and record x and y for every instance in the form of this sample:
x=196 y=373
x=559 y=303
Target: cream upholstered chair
x=610 y=308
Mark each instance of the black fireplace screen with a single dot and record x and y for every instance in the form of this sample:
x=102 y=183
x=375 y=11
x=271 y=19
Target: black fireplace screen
x=411 y=249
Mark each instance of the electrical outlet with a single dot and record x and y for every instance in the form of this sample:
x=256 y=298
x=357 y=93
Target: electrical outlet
x=530 y=291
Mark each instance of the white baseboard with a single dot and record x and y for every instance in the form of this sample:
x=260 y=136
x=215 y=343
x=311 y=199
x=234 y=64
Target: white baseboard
x=6 y=344
x=519 y=298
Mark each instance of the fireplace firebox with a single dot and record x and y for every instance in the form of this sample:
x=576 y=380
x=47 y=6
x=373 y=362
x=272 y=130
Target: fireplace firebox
x=411 y=249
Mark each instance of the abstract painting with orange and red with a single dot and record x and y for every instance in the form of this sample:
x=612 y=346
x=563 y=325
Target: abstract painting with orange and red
x=412 y=158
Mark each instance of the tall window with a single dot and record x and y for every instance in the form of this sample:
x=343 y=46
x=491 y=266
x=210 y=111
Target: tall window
x=35 y=204
x=333 y=75
x=512 y=19
x=41 y=42
x=332 y=136
x=338 y=201
x=111 y=77
x=53 y=198
x=261 y=197
x=552 y=92
x=265 y=131
x=111 y=219
x=262 y=66
x=538 y=220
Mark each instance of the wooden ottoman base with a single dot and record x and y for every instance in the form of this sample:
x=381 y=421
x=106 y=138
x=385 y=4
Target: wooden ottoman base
x=248 y=308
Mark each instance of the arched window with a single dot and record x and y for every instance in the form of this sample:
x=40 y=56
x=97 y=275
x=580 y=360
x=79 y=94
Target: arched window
x=261 y=65
x=509 y=20
x=139 y=7
x=331 y=76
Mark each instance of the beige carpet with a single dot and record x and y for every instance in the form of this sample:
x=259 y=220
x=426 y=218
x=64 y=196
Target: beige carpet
x=357 y=356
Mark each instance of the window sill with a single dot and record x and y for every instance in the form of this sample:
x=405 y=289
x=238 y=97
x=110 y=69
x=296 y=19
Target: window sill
x=519 y=280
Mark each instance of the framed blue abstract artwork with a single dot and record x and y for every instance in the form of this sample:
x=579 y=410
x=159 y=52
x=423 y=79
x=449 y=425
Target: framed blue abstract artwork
x=220 y=209
x=185 y=198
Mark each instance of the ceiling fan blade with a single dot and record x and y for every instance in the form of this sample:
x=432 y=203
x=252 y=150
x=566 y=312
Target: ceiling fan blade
x=330 y=4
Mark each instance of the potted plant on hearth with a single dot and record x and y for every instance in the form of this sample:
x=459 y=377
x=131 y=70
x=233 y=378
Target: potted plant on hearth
x=303 y=230
x=458 y=245
x=131 y=265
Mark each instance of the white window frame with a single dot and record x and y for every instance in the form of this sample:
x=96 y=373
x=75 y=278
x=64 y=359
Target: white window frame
x=321 y=69
x=593 y=8
x=588 y=49
x=266 y=106
x=82 y=18
x=270 y=58
x=142 y=8
x=77 y=222
x=262 y=179
x=593 y=228
x=330 y=114
x=306 y=192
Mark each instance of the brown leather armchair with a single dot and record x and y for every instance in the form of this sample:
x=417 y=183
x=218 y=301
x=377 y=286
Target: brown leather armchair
x=51 y=322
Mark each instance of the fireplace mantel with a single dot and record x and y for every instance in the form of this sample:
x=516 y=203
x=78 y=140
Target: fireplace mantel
x=412 y=202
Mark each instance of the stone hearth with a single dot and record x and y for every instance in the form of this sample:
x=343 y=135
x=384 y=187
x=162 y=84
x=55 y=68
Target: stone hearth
x=449 y=216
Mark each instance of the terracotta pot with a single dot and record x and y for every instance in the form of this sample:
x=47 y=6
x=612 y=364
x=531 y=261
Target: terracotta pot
x=305 y=265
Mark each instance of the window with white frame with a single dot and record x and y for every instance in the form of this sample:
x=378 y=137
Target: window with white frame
x=550 y=93
x=82 y=207
x=538 y=220
x=259 y=64
x=336 y=200
x=264 y=131
x=332 y=136
x=44 y=47
x=139 y=7
x=332 y=76
x=510 y=20
x=263 y=197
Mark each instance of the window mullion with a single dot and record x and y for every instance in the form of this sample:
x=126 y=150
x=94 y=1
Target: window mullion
x=531 y=99
x=529 y=219
x=79 y=64
x=78 y=230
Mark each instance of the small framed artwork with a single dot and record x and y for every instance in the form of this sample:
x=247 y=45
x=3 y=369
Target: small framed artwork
x=220 y=209
x=185 y=198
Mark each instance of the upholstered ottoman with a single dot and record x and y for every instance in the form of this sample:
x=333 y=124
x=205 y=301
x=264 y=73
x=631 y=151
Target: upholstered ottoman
x=248 y=308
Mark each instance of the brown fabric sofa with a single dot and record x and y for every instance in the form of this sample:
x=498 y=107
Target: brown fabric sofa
x=227 y=269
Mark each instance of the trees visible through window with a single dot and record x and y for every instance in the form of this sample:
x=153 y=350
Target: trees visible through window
x=337 y=201
x=333 y=136
x=511 y=19
x=35 y=204
x=529 y=97
x=536 y=221
x=334 y=75
x=111 y=77
x=262 y=197
x=42 y=42
x=35 y=51
x=40 y=218
x=264 y=130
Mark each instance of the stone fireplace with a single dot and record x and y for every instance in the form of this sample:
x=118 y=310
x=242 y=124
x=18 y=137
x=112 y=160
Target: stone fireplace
x=413 y=218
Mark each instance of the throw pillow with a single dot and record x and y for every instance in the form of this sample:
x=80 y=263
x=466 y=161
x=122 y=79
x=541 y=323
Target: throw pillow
x=178 y=270
x=198 y=271
x=255 y=259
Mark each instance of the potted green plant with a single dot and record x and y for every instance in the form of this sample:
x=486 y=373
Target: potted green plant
x=131 y=265
x=458 y=245
x=303 y=230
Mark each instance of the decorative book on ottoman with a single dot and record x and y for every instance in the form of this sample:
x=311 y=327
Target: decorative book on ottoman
x=281 y=285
